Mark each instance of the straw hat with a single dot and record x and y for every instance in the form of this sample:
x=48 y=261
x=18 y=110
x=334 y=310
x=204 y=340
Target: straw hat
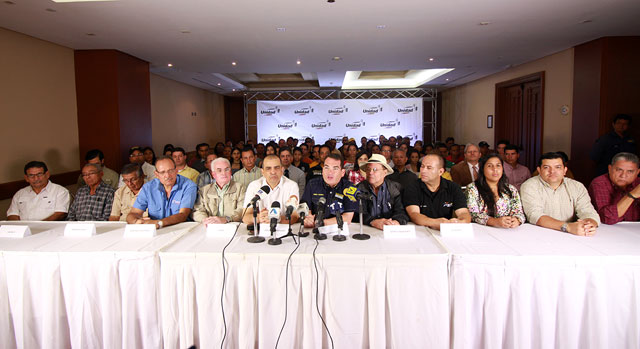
x=377 y=159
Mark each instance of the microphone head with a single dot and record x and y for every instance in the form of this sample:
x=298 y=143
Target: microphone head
x=274 y=211
x=303 y=209
x=265 y=189
x=322 y=201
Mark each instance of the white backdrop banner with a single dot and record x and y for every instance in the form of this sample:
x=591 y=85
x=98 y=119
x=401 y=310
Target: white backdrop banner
x=332 y=119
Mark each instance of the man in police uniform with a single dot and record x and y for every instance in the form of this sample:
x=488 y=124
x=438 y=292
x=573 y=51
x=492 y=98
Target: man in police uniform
x=330 y=186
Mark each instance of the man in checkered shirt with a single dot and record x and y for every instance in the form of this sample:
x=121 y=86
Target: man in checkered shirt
x=94 y=200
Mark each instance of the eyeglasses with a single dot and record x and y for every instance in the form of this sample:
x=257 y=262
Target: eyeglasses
x=36 y=175
x=169 y=172
x=373 y=170
x=89 y=174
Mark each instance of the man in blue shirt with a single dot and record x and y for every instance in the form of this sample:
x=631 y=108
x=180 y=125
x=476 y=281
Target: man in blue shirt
x=168 y=197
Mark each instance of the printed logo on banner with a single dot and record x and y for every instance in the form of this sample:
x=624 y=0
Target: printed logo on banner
x=338 y=110
x=412 y=137
x=302 y=138
x=408 y=109
x=354 y=125
x=303 y=111
x=320 y=125
x=268 y=139
x=372 y=110
x=287 y=125
x=390 y=124
x=269 y=112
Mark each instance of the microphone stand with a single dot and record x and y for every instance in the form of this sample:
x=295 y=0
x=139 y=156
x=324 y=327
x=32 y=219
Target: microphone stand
x=289 y=233
x=316 y=232
x=301 y=232
x=339 y=236
x=276 y=240
x=256 y=238
x=361 y=235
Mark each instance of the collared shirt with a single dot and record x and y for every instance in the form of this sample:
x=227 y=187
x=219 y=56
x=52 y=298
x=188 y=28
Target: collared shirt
x=296 y=175
x=516 y=175
x=404 y=178
x=190 y=173
x=605 y=197
x=244 y=177
x=285 y=189
x=471 y=167
x=355 y=177
x=36 y=207
x=337 y=203
x=314 y=172
x=381 y=202
x=149 y=174
x=505 y=205
x=109 y=177
x=607 y=146
x=87 y=207
x=123 y=200
x=440 y=204
x=221 y=192
x=197 y=164
x=204 y=178
x=565 y=203
x=152 y=196
x=209 y=198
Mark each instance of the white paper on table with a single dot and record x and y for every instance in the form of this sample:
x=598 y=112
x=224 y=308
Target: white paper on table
x=456 y=230
x=79 y=230
x=14 y=231
x=132 y=231
x=222 y=230
x=265 y=229
x=332 y=229
x=399 y=231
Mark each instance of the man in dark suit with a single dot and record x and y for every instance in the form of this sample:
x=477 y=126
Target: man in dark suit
x=466 y=171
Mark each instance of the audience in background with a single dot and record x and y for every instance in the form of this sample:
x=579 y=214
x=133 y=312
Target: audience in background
x=205 y=177
x=467 y=171
x=179 y=157
x=614 y=142
x=515 y=172
x=249 y=172
x=149 y=156
x=110 y=177
x=401 y=175
x=197 y=162
x=293 y=173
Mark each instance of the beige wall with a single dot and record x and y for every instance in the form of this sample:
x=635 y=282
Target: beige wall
x=465 y=108
x=37 y=105
x=172 y=103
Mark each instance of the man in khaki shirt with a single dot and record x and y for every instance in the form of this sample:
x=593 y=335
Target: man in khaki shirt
x=221 y=201
x=553 y=201
x=125 y=196
x=249 y=171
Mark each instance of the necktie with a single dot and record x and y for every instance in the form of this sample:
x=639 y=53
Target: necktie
x=475 y=172
x=286 y=173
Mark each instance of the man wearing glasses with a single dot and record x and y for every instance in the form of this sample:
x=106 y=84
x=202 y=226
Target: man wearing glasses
x=221 y=201
x=133 y=177
x=41 y=200
x=136 y=156
x=94 y=199
x=169 y=197
x=330 y=186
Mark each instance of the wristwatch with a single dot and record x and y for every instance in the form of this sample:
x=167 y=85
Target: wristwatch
x=564 y=227
x=160 y=224
x=227 y=218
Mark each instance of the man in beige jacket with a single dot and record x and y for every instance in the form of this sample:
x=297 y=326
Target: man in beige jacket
x=221 y=201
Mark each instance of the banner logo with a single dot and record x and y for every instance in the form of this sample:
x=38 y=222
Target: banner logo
x=320 y=125
x=338 y=110
x=303 y=111
x=287 y=125
x=372 y=110
x=354 y=125
x=408 y=109
x=390 y=124
x=269 y=112
x=269 y=139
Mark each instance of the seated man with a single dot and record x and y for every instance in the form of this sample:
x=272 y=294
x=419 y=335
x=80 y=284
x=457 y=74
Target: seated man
x=136 y=156
x=110 y=177
x=180 y=159
x=616 y=195
x=249 y=171
x=94 y=200
x=432 y=200
x=552 y=201
x=293 y=173
x=198 y=162
x=205 y=177
x=281 y=190
x=169 y=197
x=41 y=200
x=386 y=207
x=221 y=201
x=466 y=171
x=515 y=172
x=134 y=178
x=401 y=175
x=331 y=186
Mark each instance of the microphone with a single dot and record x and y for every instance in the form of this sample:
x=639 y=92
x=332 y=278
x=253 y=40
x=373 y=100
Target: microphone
x=320 y=210
x=274 y=215
x=261 y=194
x=303 y=210
x=290 y=205
x=353 y=194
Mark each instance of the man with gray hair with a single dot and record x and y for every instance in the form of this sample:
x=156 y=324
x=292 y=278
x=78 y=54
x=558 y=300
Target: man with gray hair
x=93 y=200
x=134 y=178
x=615 y=195
x=221 y=201
x=467 y=171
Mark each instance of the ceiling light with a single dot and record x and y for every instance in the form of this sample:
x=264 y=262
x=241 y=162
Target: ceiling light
x=169 y=65
x=234 y=90
x=431 y=59
x=219 y=84
x=298 y=62
x=336 y=58
x=484 y=23
x=412 y=79
x=281 y=29
x=233 y=63
x=447 y=79
x=381 y=26
x=331 y=1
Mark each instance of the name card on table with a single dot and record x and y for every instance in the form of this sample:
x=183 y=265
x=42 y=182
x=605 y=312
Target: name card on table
x=79 y=230
x=265 y=230
x=456 y=230
x=14 y=231
x=222 y=230
x=333 y=229
x=139 y=231
x=399 y=231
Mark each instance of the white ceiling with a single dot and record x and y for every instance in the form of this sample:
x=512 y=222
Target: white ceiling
x=244 y=31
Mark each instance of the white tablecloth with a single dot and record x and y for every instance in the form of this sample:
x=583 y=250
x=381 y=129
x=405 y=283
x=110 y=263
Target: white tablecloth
x=375 y=293
x=102 y=291
x=532 y=287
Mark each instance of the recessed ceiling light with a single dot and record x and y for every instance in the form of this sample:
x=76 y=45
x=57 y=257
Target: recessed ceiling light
x=281 y=29
x=484 y=23
x=298 y=62
x=431 y=59
x=233 y=63
x=50 y=10
x=234 y=90
x=331 y=1
x=336 y=58
x=381 y=26
x=447 y=79
x=169 y=65
x=219 y=84
x=91 y=34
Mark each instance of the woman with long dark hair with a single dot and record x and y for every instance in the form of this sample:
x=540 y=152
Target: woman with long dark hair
x=491 y=199
x=149 y=155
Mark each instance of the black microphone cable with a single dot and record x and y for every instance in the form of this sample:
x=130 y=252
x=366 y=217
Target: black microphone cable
x=224 y=279
x=286 y=291
x=315 y=264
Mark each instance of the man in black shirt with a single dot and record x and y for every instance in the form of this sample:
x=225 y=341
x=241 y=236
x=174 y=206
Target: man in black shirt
x=401 y=174
x=612 y=143
x=432 y=200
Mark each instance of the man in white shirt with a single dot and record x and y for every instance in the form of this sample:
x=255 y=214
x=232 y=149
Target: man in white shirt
x=281 y=190
x=41 y=200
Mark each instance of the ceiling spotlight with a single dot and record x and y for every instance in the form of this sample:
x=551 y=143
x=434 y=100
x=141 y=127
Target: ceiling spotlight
x=169 y=65
x=381 y=26
x=431 y=59
x=234 y=90
x=484 y=23
x=219 y=84
x=281 y=29
x=331 y=1
x=336 y=58
x=233 y=63
x=298 y=62
x=447 y=79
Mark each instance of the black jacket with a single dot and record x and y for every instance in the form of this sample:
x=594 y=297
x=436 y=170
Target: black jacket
x=397 y=208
